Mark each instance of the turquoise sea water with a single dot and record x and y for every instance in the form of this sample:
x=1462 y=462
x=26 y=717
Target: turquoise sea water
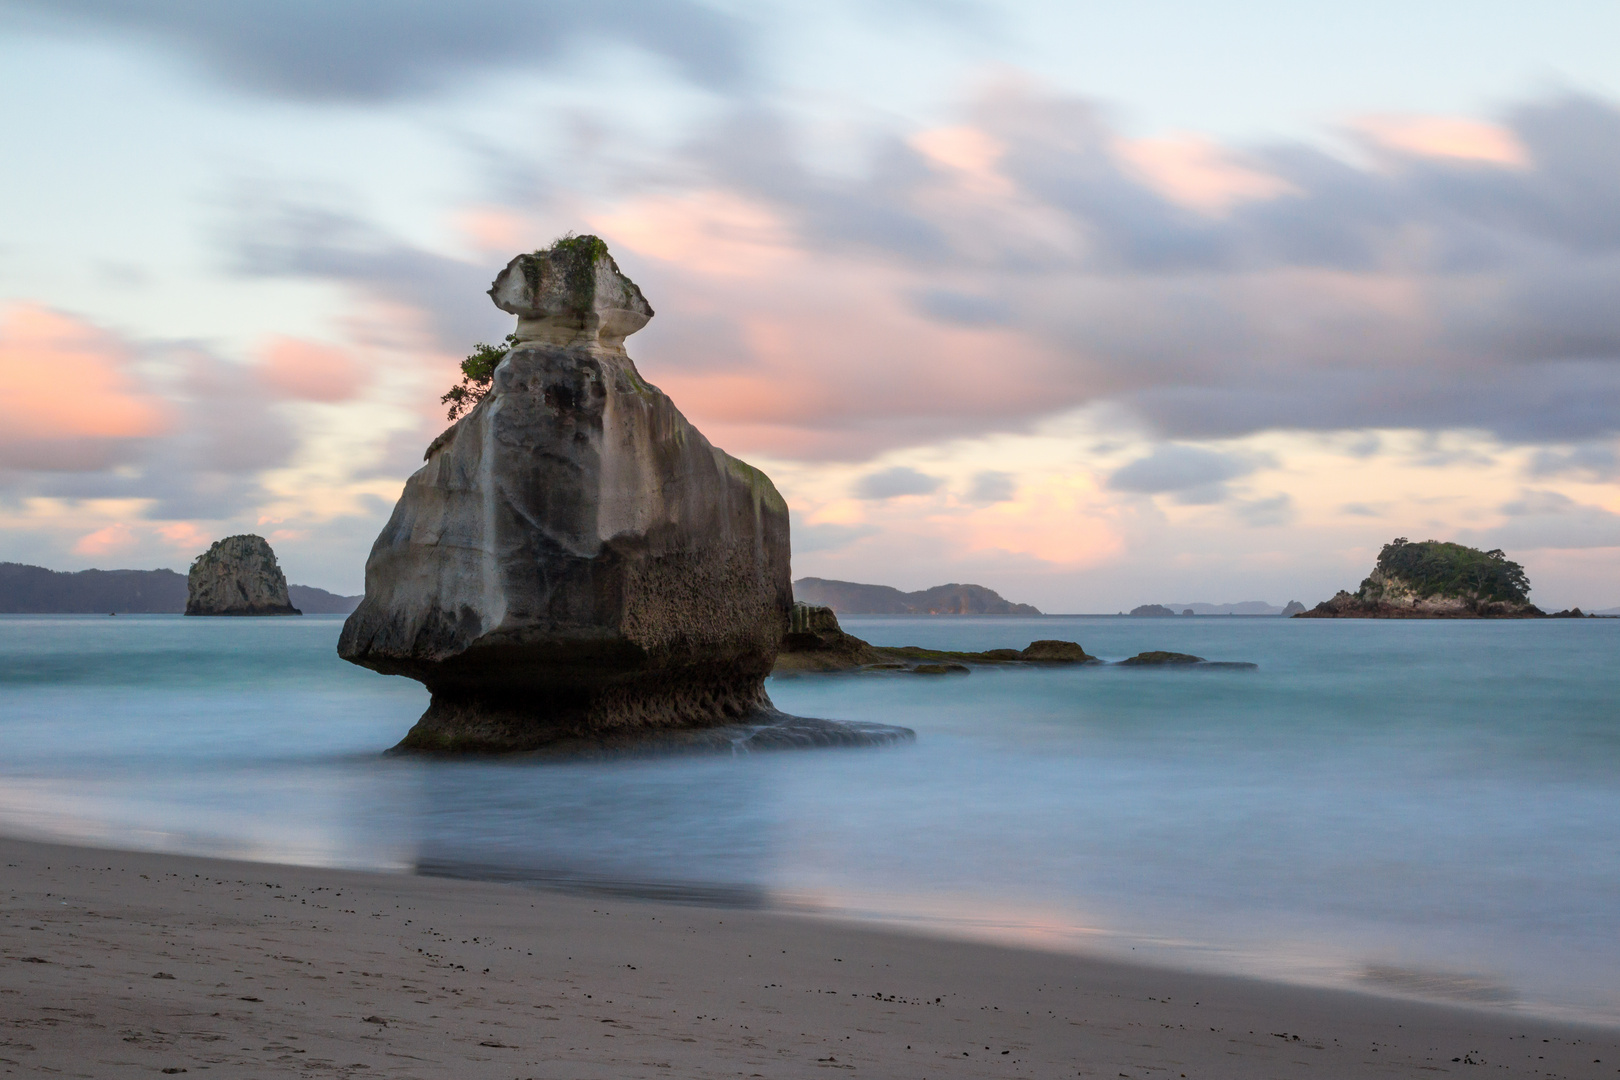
x=1428 y=808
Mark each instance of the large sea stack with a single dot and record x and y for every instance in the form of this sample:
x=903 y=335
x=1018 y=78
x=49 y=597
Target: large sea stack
x=576 y=561
x=239 y=575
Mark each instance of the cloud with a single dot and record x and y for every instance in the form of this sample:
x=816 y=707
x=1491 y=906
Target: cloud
x=1266 y=513
x=1194 y=476
x=992 y=487
x=1193 y=172
x=892 y=483
x=1540 y=519
x=1596 y=462
x=809 y=538
x=967 y=310
x=376 y=50
x=69 y=399
x=1467 y=289
x=309 y=371
x=283 y=239
x=188 y=437
x=114 y=538
x=1027 y=261
x=1453 y=138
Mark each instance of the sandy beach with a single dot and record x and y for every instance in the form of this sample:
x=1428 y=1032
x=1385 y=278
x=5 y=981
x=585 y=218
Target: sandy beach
x=129 y=964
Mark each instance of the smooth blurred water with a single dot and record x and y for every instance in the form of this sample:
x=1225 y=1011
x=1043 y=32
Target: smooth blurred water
x=1413 y=807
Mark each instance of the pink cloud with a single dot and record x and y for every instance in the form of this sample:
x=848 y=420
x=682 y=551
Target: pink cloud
x=1446 y=137
x=67 y=396
x=970 y=154
x=115 y=537
x=499 y=228
x=1197 y=173
x=714 y=233
x=309 y=371
x=824 y=346
x=185 y=535
x=1058 y=519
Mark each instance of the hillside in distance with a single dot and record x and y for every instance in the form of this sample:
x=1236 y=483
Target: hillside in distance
x=854 y=598
x=34 y=590
x=1246 y=607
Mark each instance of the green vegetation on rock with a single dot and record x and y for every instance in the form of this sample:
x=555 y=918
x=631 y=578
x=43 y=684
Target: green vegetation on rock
x=576 y=257
x=477 y=374
x=1437 y=568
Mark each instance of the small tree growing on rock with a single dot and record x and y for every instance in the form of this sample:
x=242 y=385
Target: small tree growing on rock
x=477 y=372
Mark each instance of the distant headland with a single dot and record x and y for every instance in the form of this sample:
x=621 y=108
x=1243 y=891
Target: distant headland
x=853 y=598
x=1247 y=607
x=1435 y=579
x=34 y=590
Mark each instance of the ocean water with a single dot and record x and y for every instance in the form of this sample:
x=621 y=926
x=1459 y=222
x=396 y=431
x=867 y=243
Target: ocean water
x=1419 y=808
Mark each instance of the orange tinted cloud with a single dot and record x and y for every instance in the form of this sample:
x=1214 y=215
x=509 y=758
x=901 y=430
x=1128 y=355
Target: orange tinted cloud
x=707 y=232
x=185 y=535
x=821 y=347
x=1453 y=137
x=498 y=228
x=310 y=371
x=61 y=379
x=1057 y=519
x=114 y=537
x=970 y=154
x=1196 y=173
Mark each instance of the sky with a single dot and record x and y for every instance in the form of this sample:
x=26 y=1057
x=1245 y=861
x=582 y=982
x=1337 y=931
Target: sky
x=1093 y=304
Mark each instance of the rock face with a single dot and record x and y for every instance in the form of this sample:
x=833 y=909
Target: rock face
x=815 y=642
x=1434 y=580
x=239 y=575
x=575 y=560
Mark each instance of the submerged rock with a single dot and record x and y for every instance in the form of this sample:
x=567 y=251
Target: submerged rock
x=1184 y=660
x=575 y=561
x=238 y=575
x=1057 y=652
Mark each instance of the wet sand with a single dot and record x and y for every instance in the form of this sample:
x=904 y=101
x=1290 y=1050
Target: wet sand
x=116 y=964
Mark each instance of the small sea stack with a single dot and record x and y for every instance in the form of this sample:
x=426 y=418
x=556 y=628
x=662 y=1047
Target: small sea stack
x=575 y=564
x=238 y=575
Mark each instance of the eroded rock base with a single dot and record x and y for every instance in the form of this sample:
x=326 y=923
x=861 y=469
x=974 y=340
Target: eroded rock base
x=1345 y=605
x=758 y=729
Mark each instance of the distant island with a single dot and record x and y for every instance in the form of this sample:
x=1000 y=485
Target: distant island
x=1246 y=607
x=34 y=590
x=853 y=598
x=1435 y=579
